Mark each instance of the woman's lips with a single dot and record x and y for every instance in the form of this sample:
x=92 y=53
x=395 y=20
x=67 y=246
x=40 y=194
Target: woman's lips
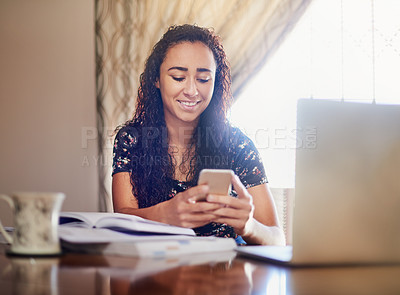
x=188 y=105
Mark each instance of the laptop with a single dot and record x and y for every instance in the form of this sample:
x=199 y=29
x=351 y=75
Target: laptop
x=347 y=187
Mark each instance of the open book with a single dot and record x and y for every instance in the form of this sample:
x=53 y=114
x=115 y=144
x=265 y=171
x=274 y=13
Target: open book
x=128 y=235
x=120 y=222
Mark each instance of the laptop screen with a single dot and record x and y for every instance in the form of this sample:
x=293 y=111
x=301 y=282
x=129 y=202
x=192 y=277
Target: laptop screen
x=347 y=182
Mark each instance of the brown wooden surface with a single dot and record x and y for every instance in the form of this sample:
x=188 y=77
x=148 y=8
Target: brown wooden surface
x=90 y=274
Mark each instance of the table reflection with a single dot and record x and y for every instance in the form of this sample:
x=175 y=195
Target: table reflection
x=31 y=276
x=221 y=278
x=217 y=273
x=206 y=276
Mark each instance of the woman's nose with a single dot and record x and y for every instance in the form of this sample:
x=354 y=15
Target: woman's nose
x=190 y=88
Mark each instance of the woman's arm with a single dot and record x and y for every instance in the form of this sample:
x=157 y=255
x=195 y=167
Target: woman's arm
x=123 y=199
x=181 y=210
x=252 y=214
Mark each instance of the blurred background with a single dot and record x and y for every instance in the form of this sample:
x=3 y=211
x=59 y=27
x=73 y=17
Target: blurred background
x=47 y=98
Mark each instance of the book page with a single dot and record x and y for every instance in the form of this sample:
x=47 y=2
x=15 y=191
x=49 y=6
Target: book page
x=120 y=222
x=99 y=235
x=92 y=219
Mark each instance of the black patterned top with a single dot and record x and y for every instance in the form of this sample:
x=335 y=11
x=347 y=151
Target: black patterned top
x=243 y=158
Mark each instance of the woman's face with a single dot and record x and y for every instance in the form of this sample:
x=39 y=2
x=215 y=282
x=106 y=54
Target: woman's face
x=186 y=82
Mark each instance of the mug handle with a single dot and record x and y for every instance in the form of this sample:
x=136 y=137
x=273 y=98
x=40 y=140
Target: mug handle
x=5 y=234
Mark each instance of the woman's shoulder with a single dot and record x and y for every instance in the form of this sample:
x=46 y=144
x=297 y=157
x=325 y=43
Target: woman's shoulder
x=246 y=162
x=127 y=134
x=237 y=137
x=241 y=146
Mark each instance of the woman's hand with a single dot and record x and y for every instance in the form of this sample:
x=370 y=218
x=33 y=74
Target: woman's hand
x=252 y=214
x=236 y=212
x=184 y=210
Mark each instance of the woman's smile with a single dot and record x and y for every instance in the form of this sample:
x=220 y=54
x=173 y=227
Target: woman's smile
x=189 y=105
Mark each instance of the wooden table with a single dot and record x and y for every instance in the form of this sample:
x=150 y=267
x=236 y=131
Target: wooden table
x=222 y=273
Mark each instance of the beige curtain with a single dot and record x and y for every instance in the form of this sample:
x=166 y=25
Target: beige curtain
x=126 y=30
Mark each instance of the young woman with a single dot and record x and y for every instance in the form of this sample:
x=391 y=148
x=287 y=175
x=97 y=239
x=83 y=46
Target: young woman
x=180 y=128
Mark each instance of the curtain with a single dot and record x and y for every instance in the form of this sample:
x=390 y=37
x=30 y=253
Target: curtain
x=126 y=31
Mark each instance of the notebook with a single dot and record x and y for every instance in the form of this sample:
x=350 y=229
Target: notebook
x=347 y=187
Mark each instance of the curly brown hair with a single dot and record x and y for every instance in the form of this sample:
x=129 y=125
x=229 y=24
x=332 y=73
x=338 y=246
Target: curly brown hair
x=152 y=166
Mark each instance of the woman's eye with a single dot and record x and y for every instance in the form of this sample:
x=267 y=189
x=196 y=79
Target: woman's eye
x=179 y=79
x=203 y=80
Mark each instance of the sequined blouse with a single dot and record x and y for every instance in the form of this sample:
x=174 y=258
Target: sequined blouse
x=243 y=158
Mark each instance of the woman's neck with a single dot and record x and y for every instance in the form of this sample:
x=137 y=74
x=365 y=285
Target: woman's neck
x=179 y=141
x=180 y=135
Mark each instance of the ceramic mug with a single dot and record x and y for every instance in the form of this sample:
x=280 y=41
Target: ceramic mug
x=36 y=218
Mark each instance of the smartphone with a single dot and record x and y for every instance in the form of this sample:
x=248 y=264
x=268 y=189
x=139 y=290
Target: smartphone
x=219 y=180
